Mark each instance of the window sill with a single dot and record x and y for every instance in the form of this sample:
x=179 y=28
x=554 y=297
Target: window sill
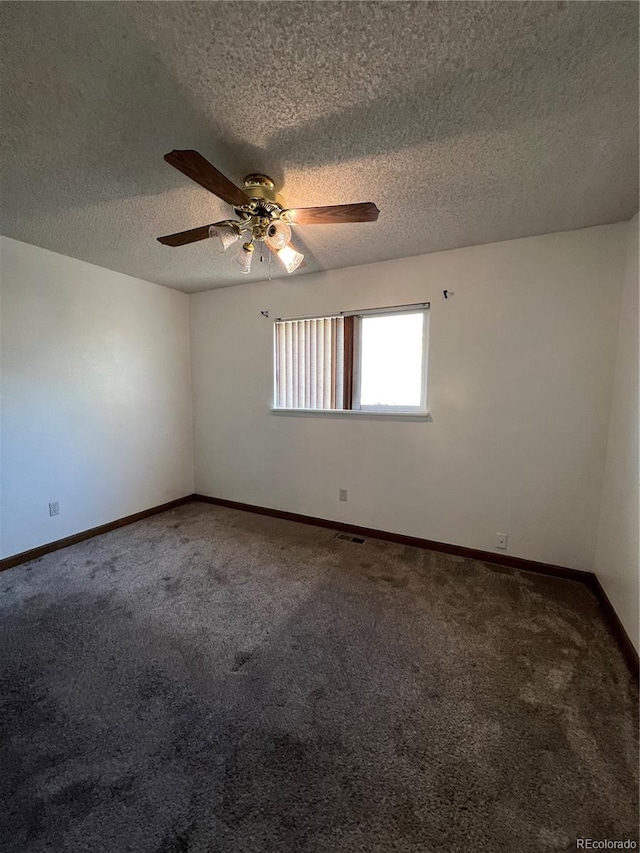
x=355 y=413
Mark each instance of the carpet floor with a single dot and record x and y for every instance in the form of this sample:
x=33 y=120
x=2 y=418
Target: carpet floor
x=211 y=681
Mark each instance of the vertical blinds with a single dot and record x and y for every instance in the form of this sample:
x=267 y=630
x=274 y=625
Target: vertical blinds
x=310 y=363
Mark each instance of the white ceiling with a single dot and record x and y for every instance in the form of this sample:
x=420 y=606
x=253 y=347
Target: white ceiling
x=465 y=122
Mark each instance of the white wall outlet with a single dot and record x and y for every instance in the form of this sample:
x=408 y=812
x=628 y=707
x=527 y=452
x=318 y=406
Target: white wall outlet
x=54 y=508
x=501 y=540
x=343 y=494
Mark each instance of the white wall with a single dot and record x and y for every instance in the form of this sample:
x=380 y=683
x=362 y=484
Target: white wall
x=520 y=369
x=96 y=398
x=617 y=561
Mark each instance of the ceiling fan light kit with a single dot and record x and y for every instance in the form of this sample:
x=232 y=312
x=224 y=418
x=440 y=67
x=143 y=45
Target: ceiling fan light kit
x=224 y=235
x=290 y=258
x=244 y=258
x=261 y=213
x=278 y=235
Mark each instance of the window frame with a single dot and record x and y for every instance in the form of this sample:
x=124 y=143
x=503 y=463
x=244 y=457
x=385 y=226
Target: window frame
x=416 y=412
x=356 y=406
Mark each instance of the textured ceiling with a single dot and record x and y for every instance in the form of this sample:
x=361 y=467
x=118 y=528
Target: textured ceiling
x=465 y=122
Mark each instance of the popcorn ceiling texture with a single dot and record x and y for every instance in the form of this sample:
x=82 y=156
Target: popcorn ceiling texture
x=476 y=122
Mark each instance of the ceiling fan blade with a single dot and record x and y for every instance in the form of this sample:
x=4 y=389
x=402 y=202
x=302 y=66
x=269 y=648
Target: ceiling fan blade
x=194 y=166
x=334 y=214
x=190 y=236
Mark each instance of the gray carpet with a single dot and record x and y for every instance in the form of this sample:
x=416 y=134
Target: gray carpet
x=210 y=680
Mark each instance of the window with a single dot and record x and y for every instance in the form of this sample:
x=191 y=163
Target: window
x=366 y=361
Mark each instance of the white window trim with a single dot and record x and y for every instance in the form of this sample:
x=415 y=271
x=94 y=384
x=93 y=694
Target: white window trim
x=373 y=414
x=422 y=408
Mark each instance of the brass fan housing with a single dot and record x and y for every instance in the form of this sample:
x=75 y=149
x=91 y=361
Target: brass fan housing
x=263 y=188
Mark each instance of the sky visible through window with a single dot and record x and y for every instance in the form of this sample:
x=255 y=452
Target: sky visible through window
x=391 y=368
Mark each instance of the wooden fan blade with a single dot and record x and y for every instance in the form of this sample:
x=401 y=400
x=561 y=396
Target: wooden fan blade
x=334 y=214
x=194 y=166
x=184 y=237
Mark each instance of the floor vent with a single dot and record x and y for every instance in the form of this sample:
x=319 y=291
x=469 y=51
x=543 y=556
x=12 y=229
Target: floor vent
x=349 y=538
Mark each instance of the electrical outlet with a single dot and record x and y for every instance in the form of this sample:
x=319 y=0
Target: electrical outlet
x=54 y=508
x=343 y=494
x=501 y=540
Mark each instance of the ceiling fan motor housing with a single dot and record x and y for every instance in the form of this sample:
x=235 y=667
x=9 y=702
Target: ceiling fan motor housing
x=262 y=188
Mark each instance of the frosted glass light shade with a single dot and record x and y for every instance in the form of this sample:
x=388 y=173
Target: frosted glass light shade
x=223 y=236
x=243 y=260
x=278 y=235
x=290 y=258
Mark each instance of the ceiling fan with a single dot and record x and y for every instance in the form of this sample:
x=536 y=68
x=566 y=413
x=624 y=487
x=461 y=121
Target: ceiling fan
x=261 y=213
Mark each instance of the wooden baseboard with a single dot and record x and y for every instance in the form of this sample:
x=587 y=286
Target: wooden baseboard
x=588 y=578
x=628 y=649
x=41 y=550
x=617 y=628
x=400 y=538
x=414 y=541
